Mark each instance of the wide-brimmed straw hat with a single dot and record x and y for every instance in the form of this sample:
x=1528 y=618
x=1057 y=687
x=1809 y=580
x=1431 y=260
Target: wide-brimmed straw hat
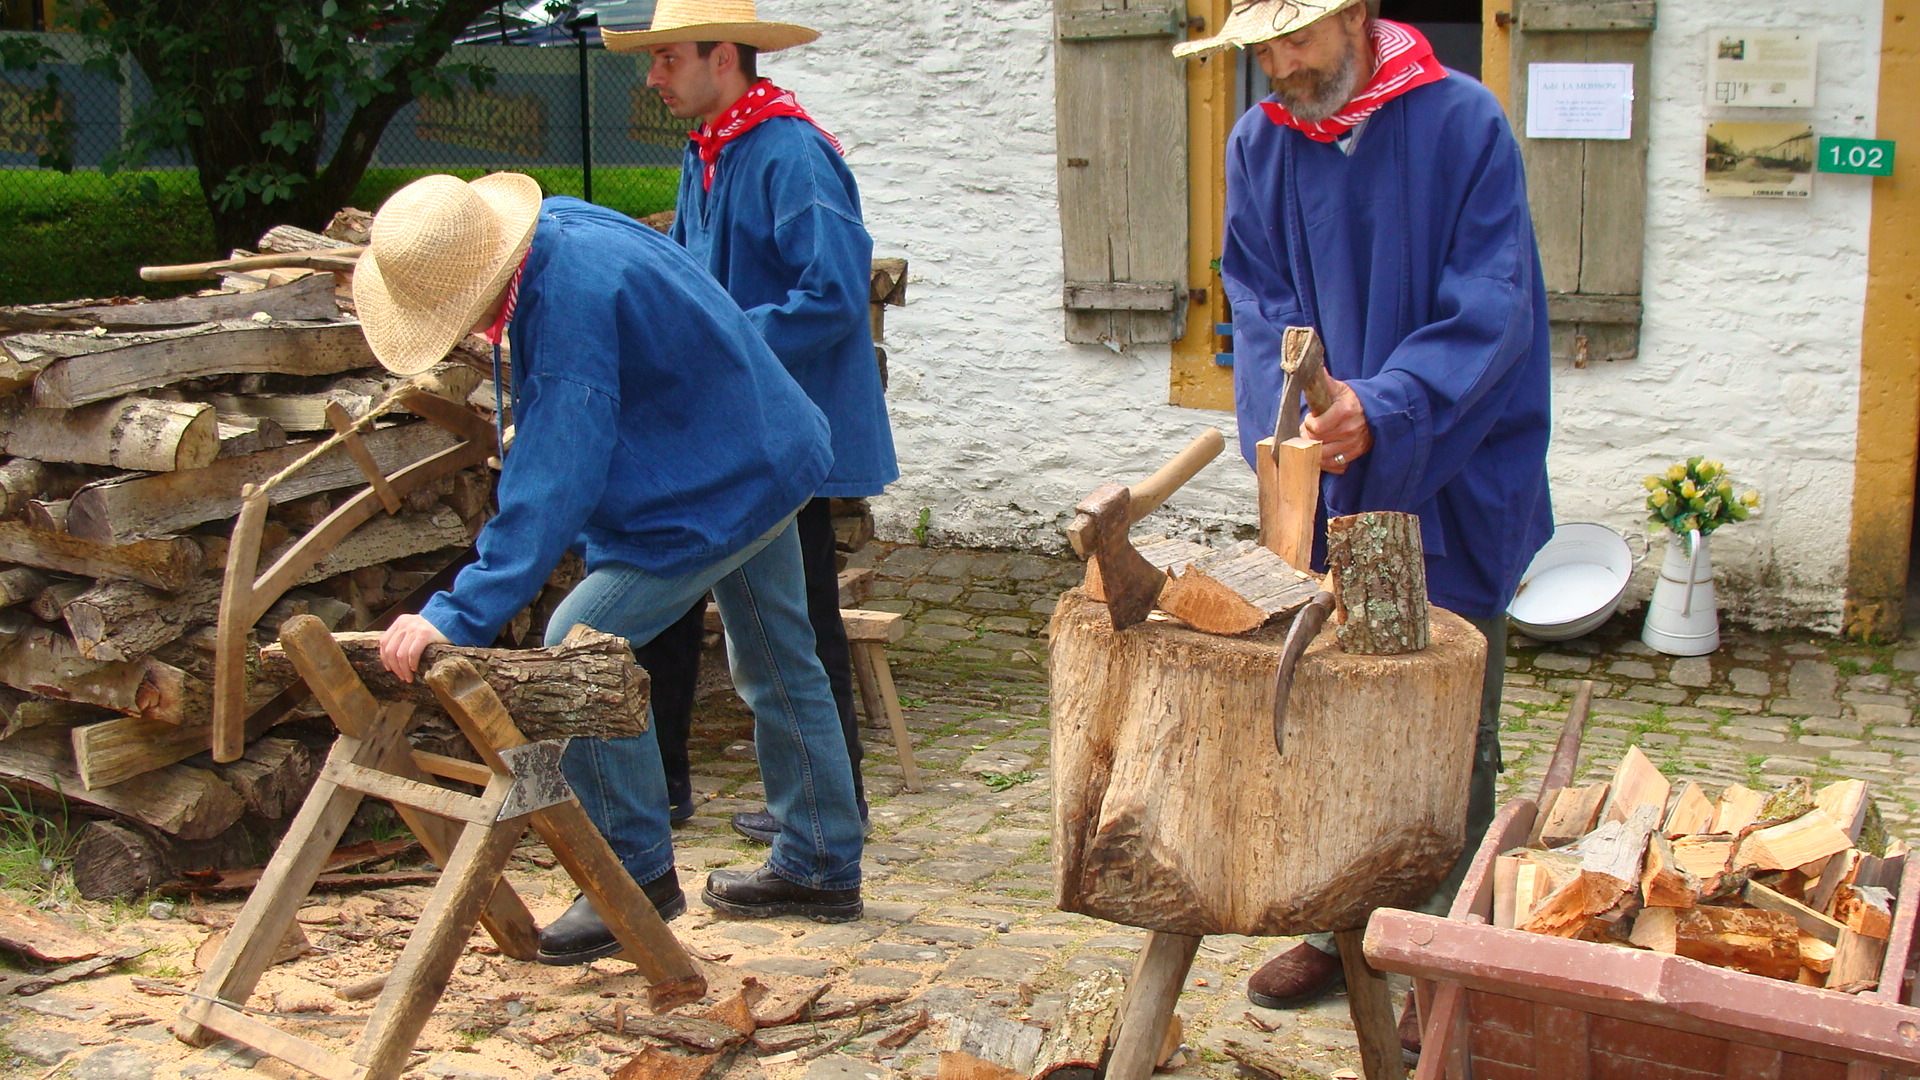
x=1253 y=21
x=438 y=255
x=709 y=20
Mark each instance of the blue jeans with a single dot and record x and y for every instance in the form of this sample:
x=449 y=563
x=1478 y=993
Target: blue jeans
x=796 y=728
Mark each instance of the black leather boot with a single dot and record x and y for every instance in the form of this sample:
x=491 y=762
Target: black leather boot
x=761 y=894
x=580 y=936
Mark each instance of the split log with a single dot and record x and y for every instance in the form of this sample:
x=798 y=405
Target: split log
x=1739 y=807
x=1845 y=803
x=1664 y=884
x=292 y=412
x=1162 y=553
x=307 y=299
x=52 y=602
x=285 y=238
x=273 y=778
x=192 y=804
x=1610 y=862
x=125 y=509
x=20 y=365
x=21 y=481
x=19 y=584
x=1839 y=870
x=243 y=435
x=1692 y=812
x=43 y=662
x=23 y=712
x=228 y=348
x=1379 y=583
x=588 y=685
x=1080 y=1035
x=1636 y=780
x=1236 y=589
x=1866 y=910
x=1657 y=929
x=1816 y=955
x=169 y=564
x=48 y=515
x=1154 y=761
x=132 y=433
x=1792 y=843
x=1857 y=962
x=114 y=750
x=1574 y=814
x=1758 y=942
x=1810 y=921
x=1708 y=858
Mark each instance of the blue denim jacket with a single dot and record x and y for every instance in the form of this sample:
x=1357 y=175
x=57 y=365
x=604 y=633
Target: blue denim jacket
x=781 y=230
x=653 y=425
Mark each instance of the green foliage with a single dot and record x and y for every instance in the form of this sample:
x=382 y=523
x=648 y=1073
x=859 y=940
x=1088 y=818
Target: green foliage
x=33 y=848
x=1696 y=494
x=1003 y=781
x=920 y=530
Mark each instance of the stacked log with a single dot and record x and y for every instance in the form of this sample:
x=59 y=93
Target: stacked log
x=128 y=431
x=1796 y=884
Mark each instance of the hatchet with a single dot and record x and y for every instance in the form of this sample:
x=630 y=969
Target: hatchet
x=1100 y=524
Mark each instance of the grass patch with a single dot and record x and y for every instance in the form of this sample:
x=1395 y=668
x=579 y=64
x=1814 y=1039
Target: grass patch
x=33 y=849
x=82 y=234
x=1002 y=781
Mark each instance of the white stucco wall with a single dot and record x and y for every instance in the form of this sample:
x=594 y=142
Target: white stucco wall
x=1750 y=349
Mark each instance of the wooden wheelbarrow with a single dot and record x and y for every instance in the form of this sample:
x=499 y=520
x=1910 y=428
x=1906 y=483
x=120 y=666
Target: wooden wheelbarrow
x=1509 y=1005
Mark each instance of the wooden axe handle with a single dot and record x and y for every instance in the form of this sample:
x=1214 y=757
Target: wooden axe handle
x=1301 y=348
x=340 y=258
x=1146 y=496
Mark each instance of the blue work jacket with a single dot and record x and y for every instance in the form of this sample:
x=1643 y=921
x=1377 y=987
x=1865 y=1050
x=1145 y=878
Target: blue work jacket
x=652 y=424
x=1415 y=259
x=781 y=231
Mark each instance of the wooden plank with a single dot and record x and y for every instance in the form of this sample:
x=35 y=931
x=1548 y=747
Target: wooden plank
x=1120 y=295
x=1159 y=972
x=236 y=1025
x=1120 y=103
x=1614 y=184
x=229 y=348
x=342 y=424
x=1560 y=1043
x=132 y=433
x=1586 y=308
x=1810 y=921
x=309 y=298
x=1555 y=167
x=169 y=564
x=1636 y=780
x=1857 y=962
x=1108 y=25
x=1371 y=1004
x=1574 y=16
x=876 y=686
x=126 y=509
x=880 y=627
x=400 y=791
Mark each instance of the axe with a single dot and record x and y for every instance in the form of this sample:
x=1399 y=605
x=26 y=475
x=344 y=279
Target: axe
x=1101 y=521
x=1304 y=359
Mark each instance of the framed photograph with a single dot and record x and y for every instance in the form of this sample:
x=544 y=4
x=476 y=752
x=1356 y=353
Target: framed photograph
x=1760 y=160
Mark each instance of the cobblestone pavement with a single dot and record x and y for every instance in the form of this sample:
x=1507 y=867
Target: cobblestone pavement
x=958 y=877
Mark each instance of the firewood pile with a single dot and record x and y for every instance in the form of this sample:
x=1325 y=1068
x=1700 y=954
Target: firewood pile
x=1795 y=884
x=128 y=431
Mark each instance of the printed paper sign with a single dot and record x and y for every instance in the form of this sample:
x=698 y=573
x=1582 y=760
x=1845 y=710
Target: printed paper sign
x=1761 y=69
x=1579 y=101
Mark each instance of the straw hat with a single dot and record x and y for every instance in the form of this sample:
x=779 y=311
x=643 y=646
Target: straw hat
x=438 y=255
x=709 y=20
x=1253 y=21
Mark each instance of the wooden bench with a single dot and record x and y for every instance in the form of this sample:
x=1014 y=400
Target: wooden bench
x=868 y=635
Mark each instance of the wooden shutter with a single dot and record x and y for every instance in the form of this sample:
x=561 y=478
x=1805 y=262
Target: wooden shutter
x=1588 y=196
x=1121 y=122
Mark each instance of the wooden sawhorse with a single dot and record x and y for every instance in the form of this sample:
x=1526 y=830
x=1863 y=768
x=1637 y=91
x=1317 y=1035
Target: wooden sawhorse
x=470 y=837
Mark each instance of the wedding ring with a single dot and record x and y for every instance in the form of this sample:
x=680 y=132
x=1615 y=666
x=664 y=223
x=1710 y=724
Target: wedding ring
x=1339 y=459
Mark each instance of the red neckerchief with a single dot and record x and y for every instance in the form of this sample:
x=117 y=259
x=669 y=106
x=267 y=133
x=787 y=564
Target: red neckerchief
x=762 y=101
x=499 y=328
x=1402 y=60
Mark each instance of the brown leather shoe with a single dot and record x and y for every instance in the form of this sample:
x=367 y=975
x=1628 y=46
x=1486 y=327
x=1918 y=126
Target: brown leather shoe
x=1296 y=977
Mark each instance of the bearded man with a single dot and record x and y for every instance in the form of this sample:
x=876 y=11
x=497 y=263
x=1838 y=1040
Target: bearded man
x=1379 y=198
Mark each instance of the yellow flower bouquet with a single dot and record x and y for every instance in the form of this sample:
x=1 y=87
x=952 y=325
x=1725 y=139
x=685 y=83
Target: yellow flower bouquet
x=1696 y=494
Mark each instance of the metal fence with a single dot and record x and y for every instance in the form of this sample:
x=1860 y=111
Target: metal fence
x=580 y=119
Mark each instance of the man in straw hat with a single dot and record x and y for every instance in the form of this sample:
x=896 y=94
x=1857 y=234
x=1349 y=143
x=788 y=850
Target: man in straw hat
x=1378 y=197
x=769 y=207
x=655 y=429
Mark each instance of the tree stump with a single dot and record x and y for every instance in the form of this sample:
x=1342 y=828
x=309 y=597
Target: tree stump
x=1379 y=583
x=1174 y=811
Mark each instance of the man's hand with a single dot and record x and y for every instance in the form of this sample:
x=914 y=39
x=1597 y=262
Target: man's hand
x=1343 y=432
x=404 y=641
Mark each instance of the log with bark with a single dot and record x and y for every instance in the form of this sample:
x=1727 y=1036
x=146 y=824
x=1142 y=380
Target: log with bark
x=43 y=662
x=192 y=804
x=170 y=564
x=1379 y=581
x=99 y=368
x=307 y=299
x=131 y=433
x=588 y=685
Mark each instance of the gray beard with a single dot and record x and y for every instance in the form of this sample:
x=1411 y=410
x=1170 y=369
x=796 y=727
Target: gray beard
x=1326 y=96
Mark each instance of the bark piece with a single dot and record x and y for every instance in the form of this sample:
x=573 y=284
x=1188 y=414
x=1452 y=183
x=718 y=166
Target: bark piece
x=1636 y=780
x=33 y=933
x=1792 y=843
x=170 y=564
x=132 y=433
x=1379 y=583
x=1236 y=590
x=586 y=686
x=126 y=509
x=130 y=363
x=1758 y=942
x=1080 y=1035
x=653 y=1063
x=1574 y=814
x=1610 y=863
x=1692 y=812
x=192 y=804
x=34 y=984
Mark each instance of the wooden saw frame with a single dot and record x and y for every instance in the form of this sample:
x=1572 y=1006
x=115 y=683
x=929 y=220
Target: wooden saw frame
x=247 y=593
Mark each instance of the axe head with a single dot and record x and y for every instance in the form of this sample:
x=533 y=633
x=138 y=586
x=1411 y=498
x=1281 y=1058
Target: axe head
x=1132 y=584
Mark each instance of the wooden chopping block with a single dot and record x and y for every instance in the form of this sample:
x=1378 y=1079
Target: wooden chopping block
x=1175 y=812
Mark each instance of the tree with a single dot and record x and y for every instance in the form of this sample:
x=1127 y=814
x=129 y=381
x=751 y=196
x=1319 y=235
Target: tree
x=247 y=88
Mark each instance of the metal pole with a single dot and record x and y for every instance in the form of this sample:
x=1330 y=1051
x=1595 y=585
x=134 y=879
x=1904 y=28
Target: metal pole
x=586 y=120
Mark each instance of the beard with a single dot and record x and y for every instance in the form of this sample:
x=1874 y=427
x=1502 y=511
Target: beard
x=1316 y=95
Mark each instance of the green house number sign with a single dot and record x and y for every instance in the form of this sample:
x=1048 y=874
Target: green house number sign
x=1862 y=157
